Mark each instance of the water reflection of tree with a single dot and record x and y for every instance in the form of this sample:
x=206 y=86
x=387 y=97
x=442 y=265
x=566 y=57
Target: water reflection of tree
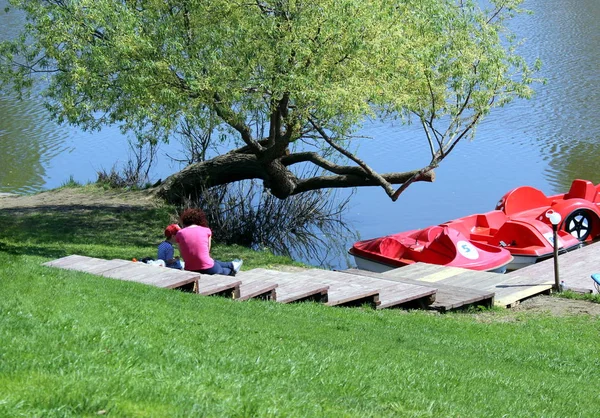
x=564 y=112
x=23 y=144
x=574 y=158
x=27 y=139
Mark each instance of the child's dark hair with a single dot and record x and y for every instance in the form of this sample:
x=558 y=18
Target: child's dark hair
x=193 y=216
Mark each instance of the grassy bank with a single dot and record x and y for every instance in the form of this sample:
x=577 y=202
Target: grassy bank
x=75 y=344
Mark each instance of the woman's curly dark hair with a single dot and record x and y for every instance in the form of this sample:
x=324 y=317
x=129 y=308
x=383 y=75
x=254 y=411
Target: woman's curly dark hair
x=193 y=216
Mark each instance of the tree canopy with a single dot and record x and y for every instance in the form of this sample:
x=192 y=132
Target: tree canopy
x=284 y=82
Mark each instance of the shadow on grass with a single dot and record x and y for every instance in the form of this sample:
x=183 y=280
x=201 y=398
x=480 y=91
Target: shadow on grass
x=50 y=230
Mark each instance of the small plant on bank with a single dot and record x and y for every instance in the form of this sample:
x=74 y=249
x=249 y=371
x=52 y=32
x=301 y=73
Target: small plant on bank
x=135 y=173
x=70 y=183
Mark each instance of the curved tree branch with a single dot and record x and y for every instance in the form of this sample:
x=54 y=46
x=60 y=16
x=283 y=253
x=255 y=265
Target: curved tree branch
x=235 y=122
x=377 y=179
x=344 y=181
x=313 y=157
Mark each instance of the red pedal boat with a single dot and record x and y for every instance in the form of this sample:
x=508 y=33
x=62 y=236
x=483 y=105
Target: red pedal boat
x=517 y=233
x=439 y=244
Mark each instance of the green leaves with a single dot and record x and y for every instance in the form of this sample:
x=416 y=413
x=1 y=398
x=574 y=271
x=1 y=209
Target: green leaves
x=149 y=65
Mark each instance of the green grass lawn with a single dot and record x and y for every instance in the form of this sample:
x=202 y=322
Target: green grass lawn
x=74 y=344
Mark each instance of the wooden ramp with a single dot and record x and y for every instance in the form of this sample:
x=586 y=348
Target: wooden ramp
x=295 y=287
x=287 y=289
x=506 y=290
x=341 y=289
x=446 y=297
x=218 y=286
x=574 y=268
x=255 y=289
x=86 y=264
x=417 y=285
x=392 y=294
x=150 y=275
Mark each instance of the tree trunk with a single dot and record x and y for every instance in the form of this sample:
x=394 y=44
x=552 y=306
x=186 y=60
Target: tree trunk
x=224 y=169
x=235 y=166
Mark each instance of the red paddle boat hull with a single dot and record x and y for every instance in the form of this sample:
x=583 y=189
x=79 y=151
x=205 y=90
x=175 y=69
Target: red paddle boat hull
x=441 y=245
x=517 y=233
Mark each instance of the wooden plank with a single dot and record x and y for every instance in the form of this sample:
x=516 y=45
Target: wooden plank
x=574 y=268
x=391 y=275
x=509 y=289
x=127 y=270
x=105 y=266
x=452 y=297
x=416 y=271
x=391 y=294
x=516 y=288
x=395 y=294
x=218 y=285
x=353 y=297
x=257 y=289
x=86 y=264
x=318 y=294
x=339 y=294
x=447 y=297
x=288 y=289
x=64 y=262
x=152 y=275
x=74 y=262
x=441 y=274
x=472 y=279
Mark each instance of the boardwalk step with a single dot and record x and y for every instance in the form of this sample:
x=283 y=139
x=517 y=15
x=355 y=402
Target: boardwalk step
x=342 y=289
x=420 y=284
x=217 y=285
x=288 y=289
x=575 y=269
x=257 y=289
x=127 y=270
x=446 y=297
x=390 y=294
x=88 y=264
x=300 y=286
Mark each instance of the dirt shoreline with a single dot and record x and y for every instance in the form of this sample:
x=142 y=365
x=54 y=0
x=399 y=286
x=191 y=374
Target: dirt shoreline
x=74 y=199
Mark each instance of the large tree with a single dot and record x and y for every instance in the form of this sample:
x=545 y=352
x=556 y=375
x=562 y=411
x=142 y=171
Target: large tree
x=284 y=82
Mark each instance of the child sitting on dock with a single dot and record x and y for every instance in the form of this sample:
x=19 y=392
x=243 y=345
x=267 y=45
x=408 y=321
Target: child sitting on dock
x=166 y=251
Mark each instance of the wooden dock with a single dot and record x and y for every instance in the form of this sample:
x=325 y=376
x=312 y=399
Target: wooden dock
x=339 y=289
x=446 y=297
x=418 y=285
x=329 y=287
x=150 y=275
x=462 y=287
x=574 y=268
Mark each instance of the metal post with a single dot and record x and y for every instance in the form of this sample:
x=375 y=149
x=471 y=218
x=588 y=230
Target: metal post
x=555 y=244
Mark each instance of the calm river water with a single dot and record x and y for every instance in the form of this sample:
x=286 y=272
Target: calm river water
x=545 y=142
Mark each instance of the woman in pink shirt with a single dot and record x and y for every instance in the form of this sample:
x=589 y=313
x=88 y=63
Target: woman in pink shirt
x=194 y=245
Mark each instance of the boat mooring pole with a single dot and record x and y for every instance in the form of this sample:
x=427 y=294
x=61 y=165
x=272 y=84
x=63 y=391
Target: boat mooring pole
x=555 y=219
x=556 y=279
